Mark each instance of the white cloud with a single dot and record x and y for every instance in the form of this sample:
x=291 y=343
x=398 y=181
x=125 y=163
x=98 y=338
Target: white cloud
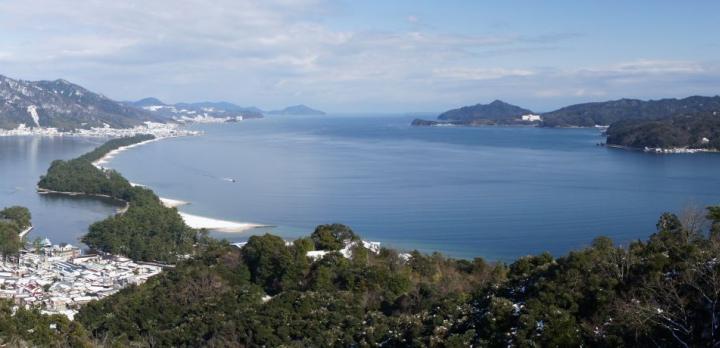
x=264 y=50
x=640 y=78
x=276 y=51
x=5 y=56
x=480 y=73
x=649 y=66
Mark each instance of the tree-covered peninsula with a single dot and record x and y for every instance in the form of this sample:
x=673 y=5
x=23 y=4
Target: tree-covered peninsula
x=694 y=131
x=146 y=230
x=578 y=115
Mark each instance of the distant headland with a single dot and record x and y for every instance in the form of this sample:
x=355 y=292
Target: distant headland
x=690 y=124
x=297 y=110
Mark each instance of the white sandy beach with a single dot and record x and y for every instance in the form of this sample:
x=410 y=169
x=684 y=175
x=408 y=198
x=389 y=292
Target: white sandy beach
x=109 y=156
x=172 y=203
x=198 y=222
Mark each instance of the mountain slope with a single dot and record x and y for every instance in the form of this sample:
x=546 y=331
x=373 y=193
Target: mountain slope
x=606 y=113
x=297 y=110
x=63 y=105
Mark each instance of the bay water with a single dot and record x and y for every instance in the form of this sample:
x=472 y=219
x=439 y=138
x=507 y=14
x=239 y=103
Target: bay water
x=495 y=192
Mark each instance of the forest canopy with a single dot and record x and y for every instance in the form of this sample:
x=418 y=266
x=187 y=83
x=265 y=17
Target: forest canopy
x=697 y=131
x=660 y=292
x=13 y=220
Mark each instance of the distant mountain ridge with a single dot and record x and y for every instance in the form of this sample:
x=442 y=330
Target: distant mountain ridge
x=66 y=106
x=222 y=105
x=693 y=131
x=297 y=110
x=63 y=105
x=609 y=112
x=188 y=111
x=214 y=109
x=578 y=115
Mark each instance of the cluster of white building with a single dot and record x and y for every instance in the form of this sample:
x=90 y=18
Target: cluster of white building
x=531 y=118
x=703 y=141
x=58 y=280
x=346 y=251
x=204 y=115
x=675 y=150
x=159 y=130
x=205 y=118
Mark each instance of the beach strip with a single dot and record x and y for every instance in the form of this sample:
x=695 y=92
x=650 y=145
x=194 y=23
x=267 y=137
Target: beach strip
x=172 y=203
x=109 y=156
x=199 y=222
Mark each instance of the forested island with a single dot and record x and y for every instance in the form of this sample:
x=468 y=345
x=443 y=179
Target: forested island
x=330 y=289
x=297 y=110
x=497 y=112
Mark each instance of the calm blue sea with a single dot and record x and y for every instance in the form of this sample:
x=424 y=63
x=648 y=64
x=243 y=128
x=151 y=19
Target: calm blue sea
x=494 y=192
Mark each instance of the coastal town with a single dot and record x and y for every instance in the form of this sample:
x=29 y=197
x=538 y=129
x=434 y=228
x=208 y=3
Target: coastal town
x=58 y=279
x=159 y=130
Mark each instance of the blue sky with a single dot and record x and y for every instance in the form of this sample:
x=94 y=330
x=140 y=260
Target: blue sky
x=384 y=56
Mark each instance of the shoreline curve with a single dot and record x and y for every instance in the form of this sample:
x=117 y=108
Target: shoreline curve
x=193 y=221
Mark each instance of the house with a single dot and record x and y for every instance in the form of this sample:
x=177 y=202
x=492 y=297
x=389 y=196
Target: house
x=65 y=251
